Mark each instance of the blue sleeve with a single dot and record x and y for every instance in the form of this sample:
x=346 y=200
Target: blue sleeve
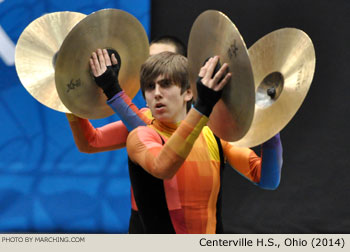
x=128 y=116
x=271 y=163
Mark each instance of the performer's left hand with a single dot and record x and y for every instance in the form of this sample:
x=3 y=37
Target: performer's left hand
x=105 y=74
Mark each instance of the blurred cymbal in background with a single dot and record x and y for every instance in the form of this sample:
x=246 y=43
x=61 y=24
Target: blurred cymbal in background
x=36 y=53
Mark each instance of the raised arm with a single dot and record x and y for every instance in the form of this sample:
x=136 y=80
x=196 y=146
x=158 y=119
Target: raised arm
x=264 y=171
x=91 y=140
x=111 y=136
x=272 y=160
x=144 y=146
x=106 y=70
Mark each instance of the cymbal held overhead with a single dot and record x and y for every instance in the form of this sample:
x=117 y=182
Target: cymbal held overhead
x=233 y=114
x=283 y=63
x=111 y=29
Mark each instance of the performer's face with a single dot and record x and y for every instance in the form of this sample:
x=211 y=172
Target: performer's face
x=165 y=100
x=160 y=47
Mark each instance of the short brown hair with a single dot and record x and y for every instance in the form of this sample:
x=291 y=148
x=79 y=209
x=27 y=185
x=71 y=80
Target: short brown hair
x=172 y=65
x=180 y=47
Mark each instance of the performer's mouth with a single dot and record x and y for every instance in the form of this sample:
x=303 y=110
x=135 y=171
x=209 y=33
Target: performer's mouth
x=160 y=107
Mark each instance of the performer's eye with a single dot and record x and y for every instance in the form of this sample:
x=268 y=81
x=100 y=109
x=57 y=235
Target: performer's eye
x=165 y=83
x=150 y=86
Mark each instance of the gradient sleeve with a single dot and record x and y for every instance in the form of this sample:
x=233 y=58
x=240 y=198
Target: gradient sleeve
x=111 y=136
x=131 y=116
x=272 y=160
x=265 y=172
x=243 y=160
x=91 y=140
x=145 y=147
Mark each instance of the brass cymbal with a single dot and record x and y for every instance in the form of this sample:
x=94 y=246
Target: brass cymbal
x=108 y=28
x=36 y=52
x=213 y=33
x=285 y=61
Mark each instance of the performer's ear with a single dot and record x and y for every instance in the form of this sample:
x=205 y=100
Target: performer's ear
x=188 y=95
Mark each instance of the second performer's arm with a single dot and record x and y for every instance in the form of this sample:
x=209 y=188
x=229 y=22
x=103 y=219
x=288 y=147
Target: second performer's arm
x=264 y=171
x=89 y=139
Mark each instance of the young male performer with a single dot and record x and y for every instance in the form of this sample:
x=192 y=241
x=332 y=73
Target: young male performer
x=176 y=161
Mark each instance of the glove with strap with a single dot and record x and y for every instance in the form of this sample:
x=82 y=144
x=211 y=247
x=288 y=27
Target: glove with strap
x=108 y=81
x=207 y=97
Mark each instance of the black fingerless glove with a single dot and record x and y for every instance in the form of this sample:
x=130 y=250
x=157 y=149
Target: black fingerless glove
x=116 y=67
x=206 y=98
x=109 y=83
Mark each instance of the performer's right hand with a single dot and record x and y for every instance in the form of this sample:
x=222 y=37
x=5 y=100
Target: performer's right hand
x=105 y=74
x=209 y=86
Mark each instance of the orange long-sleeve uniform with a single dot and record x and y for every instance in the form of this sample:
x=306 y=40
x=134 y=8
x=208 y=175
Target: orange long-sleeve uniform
x=113 y=136
x=175 y=174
